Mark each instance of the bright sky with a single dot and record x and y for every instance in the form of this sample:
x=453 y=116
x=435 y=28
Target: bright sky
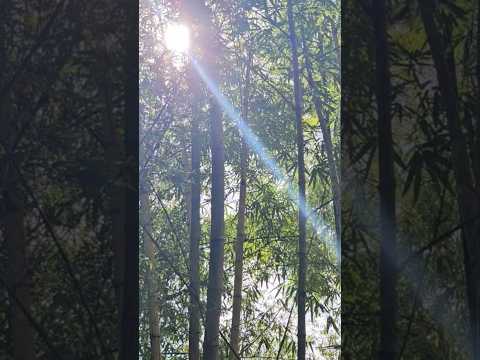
x=315 y=329
x=177 y=38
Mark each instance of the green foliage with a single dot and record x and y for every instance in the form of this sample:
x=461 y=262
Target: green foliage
x=431 y=265
x=270 y=249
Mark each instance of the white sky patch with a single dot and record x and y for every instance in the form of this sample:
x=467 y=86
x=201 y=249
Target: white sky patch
x=269 y=302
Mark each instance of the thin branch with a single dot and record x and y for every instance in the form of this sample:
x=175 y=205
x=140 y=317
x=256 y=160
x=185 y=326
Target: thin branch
x=284 y=333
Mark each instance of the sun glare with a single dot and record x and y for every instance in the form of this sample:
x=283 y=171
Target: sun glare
x=177 y=38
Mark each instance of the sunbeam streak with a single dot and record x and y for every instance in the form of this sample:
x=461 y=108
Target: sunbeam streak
x=321 y=229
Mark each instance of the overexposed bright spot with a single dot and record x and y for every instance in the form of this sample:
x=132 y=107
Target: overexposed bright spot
x=177 y=38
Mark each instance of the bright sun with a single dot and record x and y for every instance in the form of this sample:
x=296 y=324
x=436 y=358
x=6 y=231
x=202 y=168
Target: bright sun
x=177 y=38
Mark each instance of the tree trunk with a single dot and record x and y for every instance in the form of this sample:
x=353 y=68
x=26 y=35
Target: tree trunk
x=216 y=260
x=327 y=138
x=476 y=145
x=388 y=268
x=198 y=15
x=195 y=230
x=302 y=228
x=237 y=284
x=215 y=266
x=129 y=324
x=467 y=198
x=153 y=304
x=191 y=16
x=21 y=329
x=114 y=152
x=148 y=247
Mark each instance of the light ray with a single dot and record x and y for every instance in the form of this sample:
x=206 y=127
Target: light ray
x=323 y=231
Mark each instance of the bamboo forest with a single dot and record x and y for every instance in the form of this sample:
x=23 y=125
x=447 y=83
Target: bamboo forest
x=410 y=155
x=239 y=179
x=239 y=183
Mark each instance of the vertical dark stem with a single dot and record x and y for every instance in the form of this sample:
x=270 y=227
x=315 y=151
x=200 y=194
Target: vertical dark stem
x=215 y=266
x=327 y=138
x=22 y=331
x=194 y=254
x=237 y=284
x=19 y=279
x=129 y=344
x=215 y=275
x=441 y=47
x=302 y=228
x=388 y=267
